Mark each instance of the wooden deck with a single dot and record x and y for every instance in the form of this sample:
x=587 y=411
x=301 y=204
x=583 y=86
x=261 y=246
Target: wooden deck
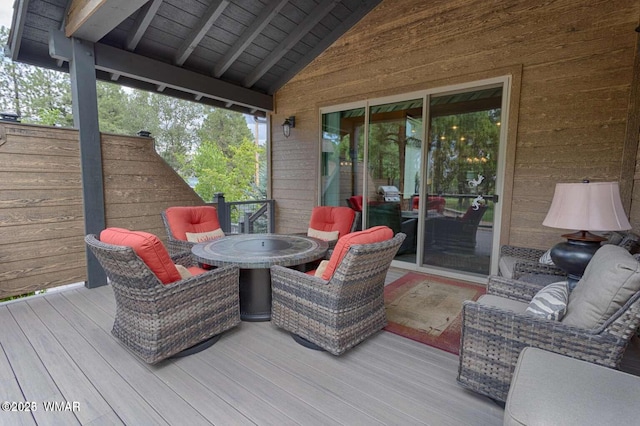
x=58 y=348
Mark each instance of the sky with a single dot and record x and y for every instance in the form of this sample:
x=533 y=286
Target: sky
x=6 y=12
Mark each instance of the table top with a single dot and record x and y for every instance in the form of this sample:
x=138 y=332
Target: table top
x=254 y=251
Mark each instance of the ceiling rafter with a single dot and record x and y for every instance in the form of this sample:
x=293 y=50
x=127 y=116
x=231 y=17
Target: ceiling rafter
x=265 y=17
x=337 y=32
x=143 y=19
x=287 y=44
x=213 y=12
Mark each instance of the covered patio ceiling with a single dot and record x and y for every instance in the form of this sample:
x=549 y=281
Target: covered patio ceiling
x=233 y=54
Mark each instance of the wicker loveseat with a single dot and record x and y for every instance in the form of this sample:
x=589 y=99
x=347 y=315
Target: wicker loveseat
x=344 y=306
x=602 y=314
x=158 y=314
x=523 y=263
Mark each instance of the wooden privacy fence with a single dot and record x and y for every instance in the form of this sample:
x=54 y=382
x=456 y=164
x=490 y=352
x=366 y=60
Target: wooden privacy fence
x=41 y=210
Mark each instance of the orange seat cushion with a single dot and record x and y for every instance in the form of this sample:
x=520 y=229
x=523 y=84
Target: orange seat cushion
x=327 y=218
x=195 y=219
x=376 y=234
x=148 y=247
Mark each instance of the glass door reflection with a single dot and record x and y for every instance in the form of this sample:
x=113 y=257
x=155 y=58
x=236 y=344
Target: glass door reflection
x=394 y=165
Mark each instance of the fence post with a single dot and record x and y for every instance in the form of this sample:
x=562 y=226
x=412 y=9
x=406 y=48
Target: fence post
x=224 y=216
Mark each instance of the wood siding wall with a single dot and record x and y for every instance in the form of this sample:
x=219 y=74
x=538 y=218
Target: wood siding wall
x=41 y=212
x=573 y=65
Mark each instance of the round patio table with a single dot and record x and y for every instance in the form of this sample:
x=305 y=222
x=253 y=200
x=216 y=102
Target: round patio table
x=255 y=254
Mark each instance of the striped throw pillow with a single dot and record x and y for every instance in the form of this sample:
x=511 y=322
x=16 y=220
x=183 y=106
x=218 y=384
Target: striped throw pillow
x=550 y=302
x=546 y=258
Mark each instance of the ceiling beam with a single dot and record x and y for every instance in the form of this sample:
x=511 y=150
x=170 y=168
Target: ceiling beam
x=350 y=21
x=142 y=22
x=213 y=12
x=267 y=14
x=20 y=8
x=128 y=64
x=93 y=19
x=315 y=16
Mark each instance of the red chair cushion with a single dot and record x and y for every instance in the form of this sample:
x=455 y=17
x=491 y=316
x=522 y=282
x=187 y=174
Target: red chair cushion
x=195 y=219
x=326 y=218
x=433 y=203
x=356 y=202
x=148 y=247
x=376 y=234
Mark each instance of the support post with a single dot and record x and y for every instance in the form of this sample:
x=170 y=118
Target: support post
x=223 y=212
x=85 y=119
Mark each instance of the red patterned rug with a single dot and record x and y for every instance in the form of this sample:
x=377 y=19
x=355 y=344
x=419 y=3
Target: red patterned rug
x=428 y=309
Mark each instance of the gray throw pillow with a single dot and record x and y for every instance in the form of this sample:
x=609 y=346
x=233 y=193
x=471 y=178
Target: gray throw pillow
x=550 y=302
x=610 y=279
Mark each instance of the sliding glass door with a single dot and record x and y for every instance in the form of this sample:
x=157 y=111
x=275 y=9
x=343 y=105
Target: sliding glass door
x=436 y=183
x=461 y=173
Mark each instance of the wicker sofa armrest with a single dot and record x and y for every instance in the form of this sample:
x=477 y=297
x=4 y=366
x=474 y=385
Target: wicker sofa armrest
x=534 y=267
x=490 y=334
x=512 y=289
x=524 y=253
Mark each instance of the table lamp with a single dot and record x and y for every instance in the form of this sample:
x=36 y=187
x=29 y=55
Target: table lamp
x=587 y=206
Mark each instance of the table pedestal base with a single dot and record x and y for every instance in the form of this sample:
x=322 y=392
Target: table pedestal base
x=255 y=294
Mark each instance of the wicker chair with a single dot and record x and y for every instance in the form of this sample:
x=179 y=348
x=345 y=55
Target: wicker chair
x=337 y=314
x=156 y=321
x=193 y=219
x=494 y=333
x=331 y=219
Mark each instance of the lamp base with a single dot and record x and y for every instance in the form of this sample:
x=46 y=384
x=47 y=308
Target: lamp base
x=573 y=255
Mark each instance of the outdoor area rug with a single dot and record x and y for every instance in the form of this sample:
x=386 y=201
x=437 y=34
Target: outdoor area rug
x=428 y=309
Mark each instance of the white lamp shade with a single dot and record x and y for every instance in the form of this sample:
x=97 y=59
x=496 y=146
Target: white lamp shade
x=593 y=206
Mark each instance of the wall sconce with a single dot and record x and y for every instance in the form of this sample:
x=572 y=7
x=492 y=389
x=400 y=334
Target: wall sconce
x=289 y=123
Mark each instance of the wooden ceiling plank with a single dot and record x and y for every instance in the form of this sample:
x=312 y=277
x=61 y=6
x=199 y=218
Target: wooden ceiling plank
x=324 y=43
x=267 y=14
x=93 y=19
x=142 y=22
x=213 y=12
x=287 y=44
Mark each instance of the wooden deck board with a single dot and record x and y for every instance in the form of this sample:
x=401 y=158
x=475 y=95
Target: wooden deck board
x=72 y=383
x=32 y=376
x=255 y=374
